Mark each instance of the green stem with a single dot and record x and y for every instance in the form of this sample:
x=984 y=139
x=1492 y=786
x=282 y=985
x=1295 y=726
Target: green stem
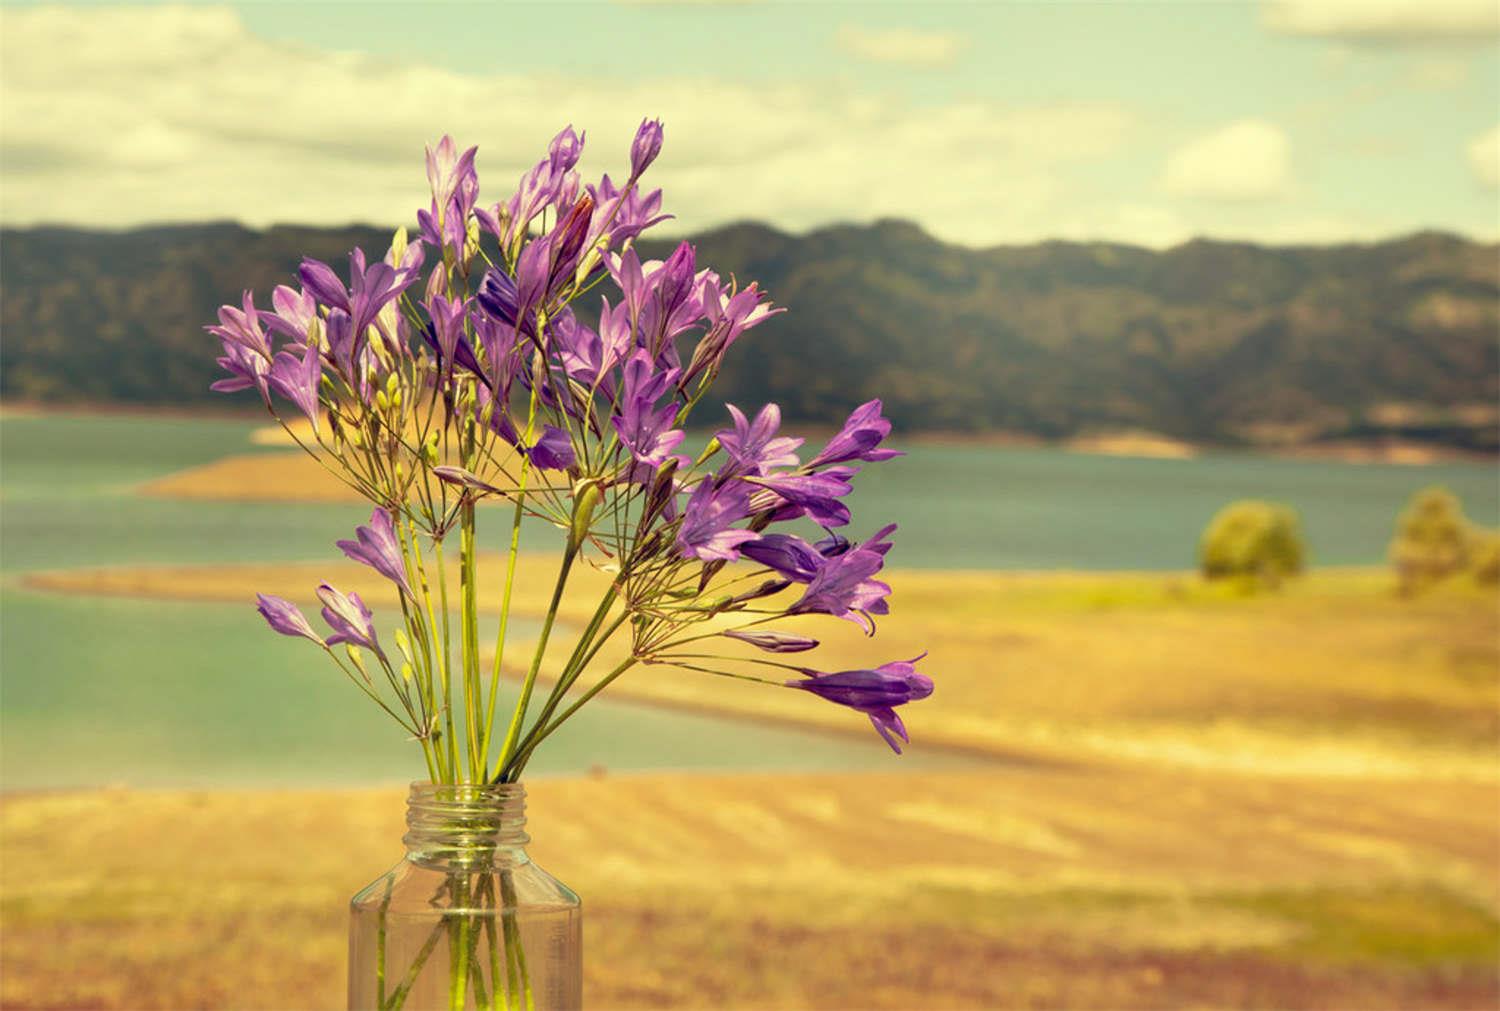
x=385 y=905
x=470 y=634
x=515 y=955
x=513 y=734
x=510 y=579
x=513 y=772
x=458 y=945
x=447 y=660
x=398 y=997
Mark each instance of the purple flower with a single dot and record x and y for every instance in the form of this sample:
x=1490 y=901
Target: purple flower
x=373 y=287
x=645 y=147
x=285 y=617
x=446 y=334
x=553 y=451
x=728 y=317
x=622 y=215
x=295 y=313
x=859 y=437
x=349 y=618
x=297 y=379
x=248 y=368
x=566 y=148
x=787 y=554
x=707 y=519
x=242 y=327
x=501 y=299
x=816 y=495
x=447 y=170
x=875 y=693
x=676 y=305
x=775 y=642
x=378 y=548
x=843 y=587
x=550 y=182
x=754 y=448
x=645 y=429
x=533 y=267
x=566 y=243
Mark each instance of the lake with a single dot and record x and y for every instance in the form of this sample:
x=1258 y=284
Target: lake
x=97 y=690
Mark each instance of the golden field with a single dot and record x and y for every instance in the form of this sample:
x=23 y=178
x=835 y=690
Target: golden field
x=1181 y=797
x=1035 y=886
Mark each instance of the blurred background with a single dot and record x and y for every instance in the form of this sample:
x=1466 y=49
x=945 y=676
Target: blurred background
x=1186 y=315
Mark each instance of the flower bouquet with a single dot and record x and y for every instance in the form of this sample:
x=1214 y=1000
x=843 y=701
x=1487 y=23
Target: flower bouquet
x=466 y=367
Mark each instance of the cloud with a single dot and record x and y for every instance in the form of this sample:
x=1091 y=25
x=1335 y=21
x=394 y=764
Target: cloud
x=201 y=119
x=1438 y=75
x=1246 y=160
x=1385 y=21
x=902 y=46
x=1484 y=157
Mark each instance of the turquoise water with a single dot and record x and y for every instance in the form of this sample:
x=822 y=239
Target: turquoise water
x=99 y=690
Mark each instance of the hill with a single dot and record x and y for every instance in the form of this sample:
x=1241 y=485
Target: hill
x=1208 y=341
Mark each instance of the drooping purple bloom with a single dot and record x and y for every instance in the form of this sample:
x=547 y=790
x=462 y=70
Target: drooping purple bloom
x=707 y=531
x=242 y=327
x=378 y=547
x=875 y=693
x=285 y=617
x=754 y=448
x=297 y=379
x=816 y=495
x=775 y=642
x=859 y=439
x=844 y=587
x=553 y=451
x=247 y=368
x=645 y=147
x=787 y=554
x=349 y=618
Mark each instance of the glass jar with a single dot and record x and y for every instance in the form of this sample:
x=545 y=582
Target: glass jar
x=465 y=920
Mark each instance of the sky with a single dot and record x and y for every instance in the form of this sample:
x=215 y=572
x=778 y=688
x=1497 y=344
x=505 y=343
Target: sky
x=1283 y=121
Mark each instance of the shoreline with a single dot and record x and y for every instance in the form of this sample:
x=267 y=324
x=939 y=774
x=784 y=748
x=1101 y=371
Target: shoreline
x=1122 y=443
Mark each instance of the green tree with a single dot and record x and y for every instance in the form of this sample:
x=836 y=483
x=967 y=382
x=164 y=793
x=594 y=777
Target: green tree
x=1255 y=543
x=1484 y=557
x=1433 y=540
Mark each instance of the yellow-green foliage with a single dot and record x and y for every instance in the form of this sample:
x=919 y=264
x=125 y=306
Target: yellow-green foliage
x=1259 y=543
x=1484 y=556
x=1433 y=539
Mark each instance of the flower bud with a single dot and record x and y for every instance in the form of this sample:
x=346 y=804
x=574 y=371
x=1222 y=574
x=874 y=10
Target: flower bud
x=585 y=502
x=645 y=147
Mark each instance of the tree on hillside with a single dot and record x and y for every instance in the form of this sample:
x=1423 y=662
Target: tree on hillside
x=1433 y=540
x=1256 y=543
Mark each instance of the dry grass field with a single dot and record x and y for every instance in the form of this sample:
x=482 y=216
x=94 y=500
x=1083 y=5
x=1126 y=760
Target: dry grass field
x=1045 y=886
x=1195 y=800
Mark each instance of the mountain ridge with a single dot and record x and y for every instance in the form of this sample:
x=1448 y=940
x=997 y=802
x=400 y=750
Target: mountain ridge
x=1208 y=341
